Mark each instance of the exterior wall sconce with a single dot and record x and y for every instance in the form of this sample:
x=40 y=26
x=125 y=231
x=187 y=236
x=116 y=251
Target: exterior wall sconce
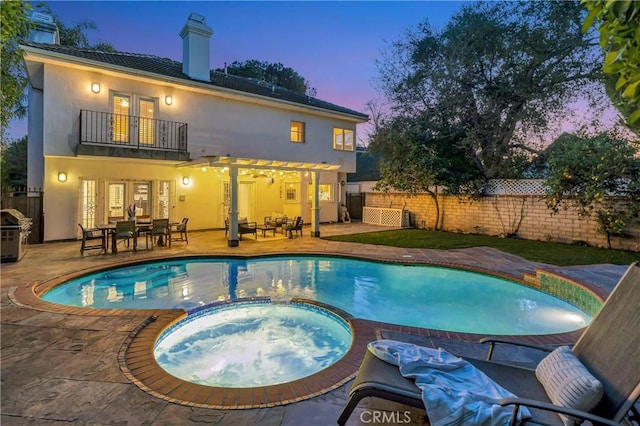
x=342 y=183
x=186 y=180
x=168 y=100
x=95 y=87
x=62 y=177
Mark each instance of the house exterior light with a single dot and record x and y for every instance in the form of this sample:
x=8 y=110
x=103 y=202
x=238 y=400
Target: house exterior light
x=95 y=87
x=168 y=100
x=186 y=180
x=62 y=177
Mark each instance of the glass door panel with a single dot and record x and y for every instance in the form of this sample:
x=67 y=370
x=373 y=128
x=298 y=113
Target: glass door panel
x=146 y=124
x=116 y=201
x=88 y=203
x=121 y=111
x=141 y=199
x=163 y=199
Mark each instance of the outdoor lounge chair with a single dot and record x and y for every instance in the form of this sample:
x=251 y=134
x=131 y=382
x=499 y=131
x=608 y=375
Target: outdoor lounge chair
x=609 y=348
x=246 y=227
x=275 y=221
x=295 y=226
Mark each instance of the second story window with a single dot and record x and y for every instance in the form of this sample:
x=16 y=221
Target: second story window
x=297 y=131
x=342 y=139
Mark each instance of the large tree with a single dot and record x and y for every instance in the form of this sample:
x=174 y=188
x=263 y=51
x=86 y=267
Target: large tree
x=415 y=159
x=496 y=73
x=14 y=15
x=584 y=174
x=274 y=73
x=619 y=27
x=13 y=163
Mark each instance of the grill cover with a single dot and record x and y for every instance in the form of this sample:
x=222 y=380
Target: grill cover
x=14 y=218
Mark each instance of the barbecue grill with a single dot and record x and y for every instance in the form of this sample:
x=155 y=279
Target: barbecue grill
x=15 y=229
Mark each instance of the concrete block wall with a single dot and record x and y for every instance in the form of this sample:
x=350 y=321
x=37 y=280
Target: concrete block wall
x=502 y=215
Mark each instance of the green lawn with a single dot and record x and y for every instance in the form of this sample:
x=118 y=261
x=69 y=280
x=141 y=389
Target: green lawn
x=537 y=251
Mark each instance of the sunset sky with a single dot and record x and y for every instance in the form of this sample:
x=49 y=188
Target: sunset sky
x=334 y=45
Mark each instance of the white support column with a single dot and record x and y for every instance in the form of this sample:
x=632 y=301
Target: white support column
x=233 y=214
x=315 y=206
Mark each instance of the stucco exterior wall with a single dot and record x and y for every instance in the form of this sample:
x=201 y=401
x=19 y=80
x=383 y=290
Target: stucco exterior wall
x=201 y=200
x=218 y=125
x=526 y=216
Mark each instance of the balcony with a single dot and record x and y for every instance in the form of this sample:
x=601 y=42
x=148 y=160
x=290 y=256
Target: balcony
x=116 y=135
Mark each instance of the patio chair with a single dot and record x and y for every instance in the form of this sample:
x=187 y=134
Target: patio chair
x=609 y=349
x=125 y=231
x=246 y=227
x=90 y=238
x=181 y=231
x=159 y=231
x=295 y=226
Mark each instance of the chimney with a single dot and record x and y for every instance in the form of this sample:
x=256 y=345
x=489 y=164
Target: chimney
x=195 y=47
x=44 y=30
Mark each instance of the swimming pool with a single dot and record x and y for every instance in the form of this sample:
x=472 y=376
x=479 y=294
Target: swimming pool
x=416 y=295
x=249 y=344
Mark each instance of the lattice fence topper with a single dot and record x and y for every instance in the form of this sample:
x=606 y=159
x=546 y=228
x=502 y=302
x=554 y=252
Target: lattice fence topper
x=516 y=187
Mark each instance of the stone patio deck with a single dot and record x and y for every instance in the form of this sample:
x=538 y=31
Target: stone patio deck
x=62 y=368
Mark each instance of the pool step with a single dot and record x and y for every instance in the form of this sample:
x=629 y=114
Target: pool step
x=531 y=280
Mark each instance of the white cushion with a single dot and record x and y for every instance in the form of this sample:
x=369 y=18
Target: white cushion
x=567 y=381
x=242 y=220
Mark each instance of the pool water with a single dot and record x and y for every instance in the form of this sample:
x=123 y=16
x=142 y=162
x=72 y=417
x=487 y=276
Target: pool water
x=253 y=344
x=420 y=296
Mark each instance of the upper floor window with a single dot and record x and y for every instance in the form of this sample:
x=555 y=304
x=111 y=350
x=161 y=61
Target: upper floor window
x=297 y=131
x=342 y=139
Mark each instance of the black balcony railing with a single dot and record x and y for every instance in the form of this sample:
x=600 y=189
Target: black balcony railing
x=132 y=131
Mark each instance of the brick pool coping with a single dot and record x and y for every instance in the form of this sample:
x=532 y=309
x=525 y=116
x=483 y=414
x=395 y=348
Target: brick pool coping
x=138 y=364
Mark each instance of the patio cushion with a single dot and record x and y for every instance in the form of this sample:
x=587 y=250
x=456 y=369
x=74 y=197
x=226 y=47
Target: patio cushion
x=568 y=382
x=242 y=221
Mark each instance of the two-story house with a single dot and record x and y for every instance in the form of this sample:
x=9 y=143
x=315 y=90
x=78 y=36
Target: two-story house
x=112 y=130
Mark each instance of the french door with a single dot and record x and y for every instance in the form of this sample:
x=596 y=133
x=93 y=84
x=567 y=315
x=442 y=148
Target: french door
x=134 y=119
x=123 y=195
x=101 y=201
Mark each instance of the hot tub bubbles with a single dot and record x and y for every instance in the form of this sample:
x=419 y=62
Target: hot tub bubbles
x=249 y=344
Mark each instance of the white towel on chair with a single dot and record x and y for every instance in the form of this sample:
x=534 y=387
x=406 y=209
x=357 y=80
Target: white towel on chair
x=454 y=392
